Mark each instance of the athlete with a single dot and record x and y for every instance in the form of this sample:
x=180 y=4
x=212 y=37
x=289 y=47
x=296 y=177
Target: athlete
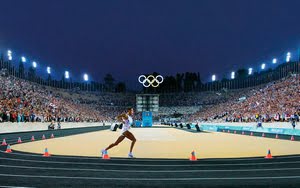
x=127 y=119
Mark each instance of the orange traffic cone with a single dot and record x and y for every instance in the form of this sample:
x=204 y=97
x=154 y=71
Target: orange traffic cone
x=269 y=156
x=263 y=135
x=32 y=138
x=292 y=138
x=234 y=132
x=43 y=137
x=52 y=135
x=8 y=149
x=105 y=155
x=193 y=156
x=4 y=142
x=19 y=140
x=243 y=133
x=46 y=154
x=251 y=134
x=276 y=136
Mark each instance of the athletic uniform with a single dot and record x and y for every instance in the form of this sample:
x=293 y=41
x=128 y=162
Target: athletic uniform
x=127 y=124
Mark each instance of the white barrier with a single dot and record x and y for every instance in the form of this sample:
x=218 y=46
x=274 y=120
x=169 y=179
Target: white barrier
x=9 y=127
x=281 y=125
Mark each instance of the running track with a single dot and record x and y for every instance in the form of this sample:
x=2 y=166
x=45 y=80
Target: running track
x=32 y=170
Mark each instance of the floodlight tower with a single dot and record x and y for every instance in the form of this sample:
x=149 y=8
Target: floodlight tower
x=250 y=71
x=232 y=75
x=288 y=57
x=213 y=77
x=86 y=79
x=49 y=75
x=67 y=76
x=9 y=55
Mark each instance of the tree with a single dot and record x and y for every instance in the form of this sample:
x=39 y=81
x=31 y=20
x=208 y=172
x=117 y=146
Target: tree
x=179 y=81
x=199 y=83
x=21 y=70
x=121 y=87
x=242 y=73
x=31 y=74
x=1 y=60
x=109 y=82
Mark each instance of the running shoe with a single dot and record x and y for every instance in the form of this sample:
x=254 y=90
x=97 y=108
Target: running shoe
x=130 y=155
x=103 y=151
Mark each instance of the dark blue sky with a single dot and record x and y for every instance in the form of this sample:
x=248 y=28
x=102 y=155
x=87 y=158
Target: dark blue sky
x=127 y=38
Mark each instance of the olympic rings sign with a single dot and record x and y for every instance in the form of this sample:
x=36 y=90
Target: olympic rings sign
x=150 y=80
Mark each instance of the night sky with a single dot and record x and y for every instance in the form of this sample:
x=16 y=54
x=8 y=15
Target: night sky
x=128 y=38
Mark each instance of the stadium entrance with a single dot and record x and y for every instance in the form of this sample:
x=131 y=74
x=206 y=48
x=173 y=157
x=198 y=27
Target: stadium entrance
x=147 y=103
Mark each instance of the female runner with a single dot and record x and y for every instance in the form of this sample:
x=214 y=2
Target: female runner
x=125 y=133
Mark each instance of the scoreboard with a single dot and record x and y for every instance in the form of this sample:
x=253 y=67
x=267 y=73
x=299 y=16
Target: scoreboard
x=147 y=102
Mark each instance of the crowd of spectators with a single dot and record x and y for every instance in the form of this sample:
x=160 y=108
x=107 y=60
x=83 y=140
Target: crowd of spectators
x=24 y=101
x=275 y=101
x=197 y=98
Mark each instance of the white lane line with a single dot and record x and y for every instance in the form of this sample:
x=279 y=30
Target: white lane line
x=95 y=158
x=148 y=179
x=147 y=171
x=143 y=165
x=14 y=187
x=7 y=186
x=159 y=159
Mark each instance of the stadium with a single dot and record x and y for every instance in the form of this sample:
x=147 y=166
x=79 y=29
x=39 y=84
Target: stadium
x=62 y=129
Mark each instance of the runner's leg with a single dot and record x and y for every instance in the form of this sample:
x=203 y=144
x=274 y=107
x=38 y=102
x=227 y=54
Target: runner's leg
x=119 y=140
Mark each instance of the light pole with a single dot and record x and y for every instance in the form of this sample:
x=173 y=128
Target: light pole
x=213 y=79
x=86 y=79
x=49 y=75
x=34 y=65
x=67 y=76
x=9 y=56
x=21 y=69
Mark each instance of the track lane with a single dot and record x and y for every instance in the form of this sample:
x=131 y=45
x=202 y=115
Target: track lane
x=25 y=169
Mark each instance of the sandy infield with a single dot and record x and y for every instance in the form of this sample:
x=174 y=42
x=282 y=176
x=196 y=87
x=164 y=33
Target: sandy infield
x=164 y=143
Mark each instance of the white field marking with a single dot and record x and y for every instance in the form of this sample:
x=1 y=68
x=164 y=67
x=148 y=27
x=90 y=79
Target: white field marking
x=126 y=164
x=150 y=171
x=158 y=159
x=148 y=179
x=5 y=186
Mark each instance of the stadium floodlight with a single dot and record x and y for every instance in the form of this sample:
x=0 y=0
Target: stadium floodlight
x=263 y=66
x=34 y=64
x=67 y=75
x=250 y=71
x=86 y=77
x=23 y=59
x=274 y=61
x=232 y=75
x=9 y=54
x=213 y=77
x=288 y=57
x=49 y=70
